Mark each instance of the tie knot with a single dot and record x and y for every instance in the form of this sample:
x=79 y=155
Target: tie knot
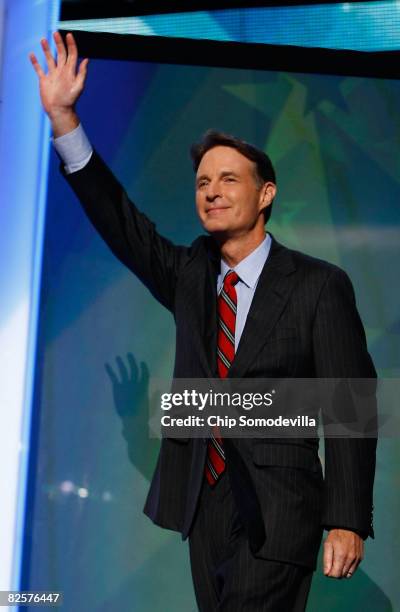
x=231 y=278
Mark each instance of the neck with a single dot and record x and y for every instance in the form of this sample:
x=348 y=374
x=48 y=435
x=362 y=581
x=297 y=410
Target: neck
x=234 y=249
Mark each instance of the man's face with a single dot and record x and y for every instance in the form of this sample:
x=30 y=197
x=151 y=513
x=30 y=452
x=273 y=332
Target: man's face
x=228 y=196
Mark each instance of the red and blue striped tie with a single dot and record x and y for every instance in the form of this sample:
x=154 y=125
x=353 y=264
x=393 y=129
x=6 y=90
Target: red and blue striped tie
x=227 y=304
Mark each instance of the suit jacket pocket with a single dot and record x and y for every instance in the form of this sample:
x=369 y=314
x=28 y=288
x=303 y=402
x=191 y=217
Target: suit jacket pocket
x=285 y=455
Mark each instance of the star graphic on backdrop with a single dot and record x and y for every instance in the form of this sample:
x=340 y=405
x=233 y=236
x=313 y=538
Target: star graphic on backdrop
x=266 y=97
x=327 y=90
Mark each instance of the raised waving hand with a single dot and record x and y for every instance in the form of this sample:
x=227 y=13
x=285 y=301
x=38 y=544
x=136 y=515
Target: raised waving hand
x=62 y=84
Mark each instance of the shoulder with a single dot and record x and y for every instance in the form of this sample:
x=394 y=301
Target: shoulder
x=315 y=265
x=314 y=276
x=310 y=265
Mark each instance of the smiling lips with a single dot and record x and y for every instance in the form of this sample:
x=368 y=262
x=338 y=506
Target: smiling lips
x=216 y=209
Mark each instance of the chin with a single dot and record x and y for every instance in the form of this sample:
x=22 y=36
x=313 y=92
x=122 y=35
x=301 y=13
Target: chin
x=215 y=227
x=220 y=234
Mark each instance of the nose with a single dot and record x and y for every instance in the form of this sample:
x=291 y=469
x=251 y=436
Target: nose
x=212 y=191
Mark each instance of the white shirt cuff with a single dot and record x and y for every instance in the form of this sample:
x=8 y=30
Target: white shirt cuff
x=74 y=149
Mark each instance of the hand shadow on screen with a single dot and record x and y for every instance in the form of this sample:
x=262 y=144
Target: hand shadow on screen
x=130 y=388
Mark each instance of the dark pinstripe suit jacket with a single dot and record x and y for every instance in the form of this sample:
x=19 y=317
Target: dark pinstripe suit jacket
x=302 y=323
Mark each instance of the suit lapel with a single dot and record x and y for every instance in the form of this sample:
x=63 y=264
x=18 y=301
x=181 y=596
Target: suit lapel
x=272 y=293
x=273 y=290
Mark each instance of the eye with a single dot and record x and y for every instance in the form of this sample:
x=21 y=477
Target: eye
x=230 y=179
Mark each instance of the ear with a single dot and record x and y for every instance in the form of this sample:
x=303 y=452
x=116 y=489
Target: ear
x=267 y=194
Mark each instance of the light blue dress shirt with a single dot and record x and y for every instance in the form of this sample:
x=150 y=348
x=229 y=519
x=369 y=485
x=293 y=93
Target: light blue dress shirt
x=248 y=270
x=75 y=150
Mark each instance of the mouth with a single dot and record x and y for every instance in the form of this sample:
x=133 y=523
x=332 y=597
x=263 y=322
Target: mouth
x=216 y=209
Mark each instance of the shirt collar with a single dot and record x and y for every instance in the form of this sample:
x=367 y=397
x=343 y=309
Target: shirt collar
x=250 y=268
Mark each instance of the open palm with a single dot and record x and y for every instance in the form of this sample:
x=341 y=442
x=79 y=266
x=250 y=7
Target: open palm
x=62 y=85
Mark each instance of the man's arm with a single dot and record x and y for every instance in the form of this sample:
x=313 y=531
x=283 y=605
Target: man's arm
x=340 y=351
x=129 y=233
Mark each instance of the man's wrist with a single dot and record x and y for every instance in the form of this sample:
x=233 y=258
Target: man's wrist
x=362 y=534
x=63 y=121
x=74 y=149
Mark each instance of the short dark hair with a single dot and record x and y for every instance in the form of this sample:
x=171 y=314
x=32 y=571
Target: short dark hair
x=212 y=138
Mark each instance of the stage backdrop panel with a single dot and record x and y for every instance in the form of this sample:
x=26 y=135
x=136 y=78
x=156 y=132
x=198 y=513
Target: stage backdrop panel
x=334 y=143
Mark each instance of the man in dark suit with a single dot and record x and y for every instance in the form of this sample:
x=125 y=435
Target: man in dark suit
x=244 y=306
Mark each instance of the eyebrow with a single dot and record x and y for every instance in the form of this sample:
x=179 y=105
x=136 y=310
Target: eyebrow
x=223 y=173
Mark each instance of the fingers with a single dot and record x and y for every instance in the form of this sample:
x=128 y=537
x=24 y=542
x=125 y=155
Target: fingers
x=328 y=557
x=339 y=560
x=353 y=560
x=333 y=560
x=82 y=71
x=63 y=58
x=51 y=64
x=36 y=65
x=133 y=367
x=343 y=552
x=112 y=376
x=61 y=52
x=123 y=371
x=72 y=51
x=145 y=373
x=350 y=568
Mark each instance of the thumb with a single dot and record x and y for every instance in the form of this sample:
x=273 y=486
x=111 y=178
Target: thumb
x=328 y=557
x=82 y=72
